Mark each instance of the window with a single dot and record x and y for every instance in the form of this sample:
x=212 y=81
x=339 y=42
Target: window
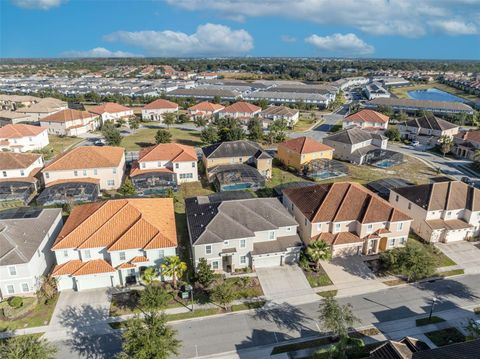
x=10 y=289
x=87 y=253
x=143 y=165
x=75 y=173
x=243 y=259
x=305 y=221
x=225 y=243
x=159 y=164
x=337 y=226
x=65 y=254
x=25 y=288
x=30 y=139
x=38 y=252
x=95 y=171
x=449 y=213
x=243 y=243
x=292 y=207
x=161 y=253
x=193 y=164
x=12 y=270
x=122 y=256
x=177 y=165
x=47 y=175
x=391 y=242
x=399 y=226
x=22 y=173
x=289 y=229
x=110 y=183
x=396 y=198
x=401 y=241
x=409 y=206
x=271 y=235
x=114 y=170
x=84 y=172
x=208 y=249
x=215 y=265
x=369 y=227
x=4 y=173
x=319 y=226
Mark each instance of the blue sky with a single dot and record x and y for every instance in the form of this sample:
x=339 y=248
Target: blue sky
x=437 y=29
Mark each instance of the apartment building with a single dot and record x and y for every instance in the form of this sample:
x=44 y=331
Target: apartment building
x=348 y=216
x=23 y=138
x=442 y=212
x=70 y=122
x=110 y=243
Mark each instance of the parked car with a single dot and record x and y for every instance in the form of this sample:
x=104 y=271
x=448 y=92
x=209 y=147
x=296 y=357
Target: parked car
x=467 y=180
x=100 y=142
x=415 y=143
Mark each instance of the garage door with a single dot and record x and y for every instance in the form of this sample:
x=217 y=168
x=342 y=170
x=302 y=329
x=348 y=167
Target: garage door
x=266 y=261
x=93 y=281
x=454 y=236
x=347 y=251
x=65 y=282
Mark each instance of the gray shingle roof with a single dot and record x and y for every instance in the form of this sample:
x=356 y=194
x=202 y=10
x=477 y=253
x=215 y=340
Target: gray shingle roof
x=351 y=136
x=235 y=149
x=429 y=121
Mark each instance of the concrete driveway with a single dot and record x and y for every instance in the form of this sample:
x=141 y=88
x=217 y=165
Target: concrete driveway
x=351 y=276
x=465 y=254
x=286 y=284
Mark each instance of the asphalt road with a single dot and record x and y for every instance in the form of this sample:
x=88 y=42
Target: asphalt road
x=237 y=331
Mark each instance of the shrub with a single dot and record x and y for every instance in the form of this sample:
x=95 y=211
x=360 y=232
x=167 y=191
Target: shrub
x=15 y=302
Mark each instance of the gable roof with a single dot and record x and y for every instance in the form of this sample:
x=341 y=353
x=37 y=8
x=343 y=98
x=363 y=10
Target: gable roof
x=342 y=201
x=472 y=135
x=67 y=115
x=11 y=160
x=242 y=106
x=234 y=149
x=146 y=223
x=87 y=157
x=350 y=136
x=108 y=107
x=216 y=222
x=431 y=122
x=305 y=144
x=206 y=107
x=368 y=116
x=442 y=196
x=44 y=105
x=168 y=152
x=20 y=130
x=279 y=111
x=160 y=104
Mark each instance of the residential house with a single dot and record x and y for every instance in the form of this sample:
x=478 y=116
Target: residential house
x=23 y=138
x=205 y=109
x=442 y=211
x=427 y=129
x=110 y=243
x=354 y=144
x=104 y=165
x=273 y=113
x=25 y=239
x=243 y=111
x=244 y=233
x=164 y=166
x=155 y=110
x=19 y=165
x=237 y=152
x=14 y=102
x=12 y=117
x=111 y=111
x=70 y=122
x=299 y=151
x=367 y=120
x=348 y=216
x=43 y=108
x=466 y=144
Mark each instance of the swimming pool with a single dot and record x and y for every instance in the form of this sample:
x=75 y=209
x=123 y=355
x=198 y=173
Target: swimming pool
x=325 y=175
x=434 y=94
x=385 y=163
x=236 y=186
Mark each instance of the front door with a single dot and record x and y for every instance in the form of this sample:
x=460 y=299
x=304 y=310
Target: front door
x=227 y=263
x=372 y=246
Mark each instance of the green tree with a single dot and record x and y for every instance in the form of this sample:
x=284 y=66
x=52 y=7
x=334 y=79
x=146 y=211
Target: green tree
x=318 y=251
x=393 y=133
x=133 y=123
x=182 y=118
x=48 y=288
x=446 y=144
x=255 y=129
x=277 y=131
x=26 y=347
x=223 y=294
x=127 y=189
x=163 y=136
x=217 y=99
x=149 y=275
x=149 y=338
x=153 y=298
x=205 y=273
x=209 y=135
x=200 y=121
x=229 y=129
x=262 y=103
x=169 y=119
x=402 y=116
x=174 y=268
x=111 y=134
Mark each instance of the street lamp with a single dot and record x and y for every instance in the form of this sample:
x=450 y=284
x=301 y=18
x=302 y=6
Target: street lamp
x=189 y=288
x=434 y=300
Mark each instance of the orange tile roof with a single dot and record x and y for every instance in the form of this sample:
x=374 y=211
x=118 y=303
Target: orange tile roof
x=168 y=152
x=242 y=107
x=338 y=238
x=305 y=144
x=94 y=267
x=126 y=266
x=368 y=116
x=206 y=107
x=135 y=170
x=67 y=115
x=11 y=160
x=160 y=104
x=139 y=259
x=122 y=224
x=67 y=268
x=20 y=130
x=87 y=157
x=108 y=107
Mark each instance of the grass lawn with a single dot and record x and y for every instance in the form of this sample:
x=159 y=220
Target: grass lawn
x=445 y=336
x=425 y=321
x=145 y=137
x=476 y=310
x=246 y=287
x=401 y=92
x=441 y=259
x=394 y=282
x=317 y=279
x=451 y=273
x=280 y=176
x=301 y=345
x=60 y=144
x=304 y=124
x=39 y=316
x=328 y=293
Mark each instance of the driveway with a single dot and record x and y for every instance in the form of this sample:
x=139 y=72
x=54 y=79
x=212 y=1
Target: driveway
x=351 y=276
x=465 y=254
x=285 y=284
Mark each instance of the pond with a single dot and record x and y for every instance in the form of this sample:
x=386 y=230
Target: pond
x=434 y=94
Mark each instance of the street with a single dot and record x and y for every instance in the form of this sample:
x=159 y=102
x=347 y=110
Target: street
x=239 y=331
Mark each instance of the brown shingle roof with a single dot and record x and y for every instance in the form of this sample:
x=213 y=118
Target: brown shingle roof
x=87 y=157
x=160 y=104
x=343 y=201
x=67 y=115
x=305 y=145
x=20 y=130
x=10 y=160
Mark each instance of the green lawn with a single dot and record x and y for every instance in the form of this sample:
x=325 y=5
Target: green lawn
x=40 y=316
x=304 y=124
x=425 y=321
x=145 y=137
x=451 y=273
x=280 y=176
x=328 y=293
x=401 y=92
x=445 y=336
x=60 y=144
x=317 y=279
x=441 y=259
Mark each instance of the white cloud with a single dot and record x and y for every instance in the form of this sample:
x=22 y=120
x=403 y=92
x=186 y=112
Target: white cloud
x=455 y=27
x=410 y=18
x=99 y=52
x=344 y=44
x=38 y=4
x=288 y=38
x=208 y=40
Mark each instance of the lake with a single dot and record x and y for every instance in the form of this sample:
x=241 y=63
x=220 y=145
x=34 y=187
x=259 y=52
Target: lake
x=434 y=94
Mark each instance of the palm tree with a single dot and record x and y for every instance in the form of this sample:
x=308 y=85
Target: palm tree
x=446 y=143
x=149 y=275
x=318 y=251
x=174 y=268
